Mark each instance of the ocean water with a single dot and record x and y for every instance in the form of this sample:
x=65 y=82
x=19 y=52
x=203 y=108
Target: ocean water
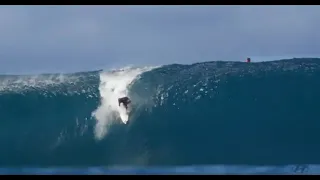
x=203 y=118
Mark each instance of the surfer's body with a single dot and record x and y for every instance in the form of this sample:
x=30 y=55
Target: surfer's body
x=125 y=101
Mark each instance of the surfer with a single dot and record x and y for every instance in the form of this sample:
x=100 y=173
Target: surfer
x=125 y=101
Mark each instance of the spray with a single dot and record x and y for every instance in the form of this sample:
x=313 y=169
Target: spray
x=113 y=85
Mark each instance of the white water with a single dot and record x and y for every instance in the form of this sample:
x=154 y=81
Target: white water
x=113 y=85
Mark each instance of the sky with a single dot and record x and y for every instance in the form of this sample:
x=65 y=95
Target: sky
x=76 y=38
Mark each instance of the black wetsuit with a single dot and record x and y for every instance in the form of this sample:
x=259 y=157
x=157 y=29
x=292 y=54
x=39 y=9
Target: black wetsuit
x=125 y=101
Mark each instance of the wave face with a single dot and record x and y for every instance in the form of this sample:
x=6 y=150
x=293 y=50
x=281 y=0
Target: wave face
x=211 y=113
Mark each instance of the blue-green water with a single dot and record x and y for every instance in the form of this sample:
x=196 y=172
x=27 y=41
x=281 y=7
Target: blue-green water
x=217 y=114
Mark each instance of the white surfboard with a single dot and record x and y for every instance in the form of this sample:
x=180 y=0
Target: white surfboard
x=124 y=115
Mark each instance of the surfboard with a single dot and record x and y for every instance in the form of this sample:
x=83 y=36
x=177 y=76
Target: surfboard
x=124 y=115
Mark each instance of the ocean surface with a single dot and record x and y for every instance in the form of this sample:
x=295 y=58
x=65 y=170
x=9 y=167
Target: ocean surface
x=202 y=118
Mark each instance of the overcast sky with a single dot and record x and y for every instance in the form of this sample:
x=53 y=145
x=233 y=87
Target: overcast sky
x=75 y=38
